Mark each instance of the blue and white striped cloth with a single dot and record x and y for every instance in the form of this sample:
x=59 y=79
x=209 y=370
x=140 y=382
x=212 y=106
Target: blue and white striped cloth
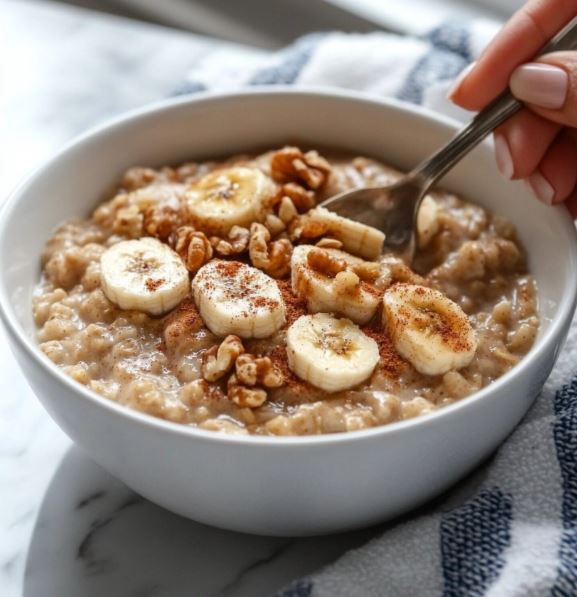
x=511 y=528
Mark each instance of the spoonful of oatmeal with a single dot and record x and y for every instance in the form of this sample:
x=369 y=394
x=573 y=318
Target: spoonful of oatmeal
x=393 y=209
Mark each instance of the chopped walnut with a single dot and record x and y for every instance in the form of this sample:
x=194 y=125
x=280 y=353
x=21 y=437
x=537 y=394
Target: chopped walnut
x=306 y=228
x=368 y=271
x=346 y=282
x=251 y=370
x=329 y=243
x=325 y=263
x=271 y=257
x=243 y=396
x=287 y=211
x=301 y=198
x=274 y=224
x=219 y=360
x=192 y=246
x=234 y=244
x=161 y=221
x=128 y=221
x=290 y=164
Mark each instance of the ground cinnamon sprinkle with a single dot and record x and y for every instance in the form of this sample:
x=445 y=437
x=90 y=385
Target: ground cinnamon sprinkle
x=300 y=391
x=295 y=306
x=261 y=301
x=390 y=363
x=152 y=284
x=451 y=328
x=184 y=319
x=229 y=268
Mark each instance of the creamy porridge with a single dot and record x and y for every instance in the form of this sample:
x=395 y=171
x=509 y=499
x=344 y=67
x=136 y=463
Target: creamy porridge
x=218 y=295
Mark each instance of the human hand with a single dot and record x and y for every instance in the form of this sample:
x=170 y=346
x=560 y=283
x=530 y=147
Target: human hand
x=539 y=143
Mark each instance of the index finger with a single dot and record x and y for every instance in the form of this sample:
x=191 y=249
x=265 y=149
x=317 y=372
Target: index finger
x=528 y=30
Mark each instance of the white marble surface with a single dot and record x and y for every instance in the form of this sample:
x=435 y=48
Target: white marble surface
x=67 y=528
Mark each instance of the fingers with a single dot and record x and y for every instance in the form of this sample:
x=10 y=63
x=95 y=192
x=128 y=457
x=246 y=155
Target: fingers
x=521 y=143
x=556 y=177
x=520 y=39
x=549 y=87
x=571 y=204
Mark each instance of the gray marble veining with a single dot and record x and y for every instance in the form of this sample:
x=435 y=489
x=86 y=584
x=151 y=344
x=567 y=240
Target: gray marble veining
x=67 y=528
x=105 y=540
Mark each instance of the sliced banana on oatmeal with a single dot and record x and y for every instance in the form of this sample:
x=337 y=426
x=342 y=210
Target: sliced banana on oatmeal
x=229 y=197
x=325 y=278
x=331 y=354
x=359 y=239
x=144 y=275
x=428 y=329
x=235 y=298
x=427 y=221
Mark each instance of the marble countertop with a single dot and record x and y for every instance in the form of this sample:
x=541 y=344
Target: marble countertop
x=67 y=528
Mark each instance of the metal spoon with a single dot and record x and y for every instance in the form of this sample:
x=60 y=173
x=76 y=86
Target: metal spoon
x=393 y=209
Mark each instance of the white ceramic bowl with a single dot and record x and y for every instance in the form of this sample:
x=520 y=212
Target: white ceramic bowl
x=267 y=485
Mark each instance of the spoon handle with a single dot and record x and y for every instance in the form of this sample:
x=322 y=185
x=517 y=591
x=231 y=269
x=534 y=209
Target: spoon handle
x=499 y=110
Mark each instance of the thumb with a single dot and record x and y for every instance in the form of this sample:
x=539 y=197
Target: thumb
x=548 y=86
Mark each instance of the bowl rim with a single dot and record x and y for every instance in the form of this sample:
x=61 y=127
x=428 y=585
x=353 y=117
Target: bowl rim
x=546 y=343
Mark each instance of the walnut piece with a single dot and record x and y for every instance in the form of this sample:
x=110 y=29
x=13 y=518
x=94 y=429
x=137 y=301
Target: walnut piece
x=346 y=282
x=325 y=263
x=301 y=198
x=290 y=164
x=243 y=396
x=271 y=257
x=234 y=244
x=217 y=361
x=329 y=243
x=193 y=247
x=367 y=271
x=274 y=224
x=287 y=211
x=306 y=228
x=161 y=221
x=252 y=370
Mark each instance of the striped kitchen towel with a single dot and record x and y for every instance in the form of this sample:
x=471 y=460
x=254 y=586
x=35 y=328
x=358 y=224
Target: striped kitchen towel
x=511 y=528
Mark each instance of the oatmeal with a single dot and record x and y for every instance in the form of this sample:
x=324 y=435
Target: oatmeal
x=220 y=295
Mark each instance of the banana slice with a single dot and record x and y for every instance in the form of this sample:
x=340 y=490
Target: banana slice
x=330 y=291
x=145 y=275
x=429 y=330
x=359 y=239
x=427 y=220
x=229 y=197
x=235 y=298
x=331 y=354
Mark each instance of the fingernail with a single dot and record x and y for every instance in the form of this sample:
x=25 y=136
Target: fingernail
x=459 y=80
x=540 y=84
x=503 y=157
x=541 y=187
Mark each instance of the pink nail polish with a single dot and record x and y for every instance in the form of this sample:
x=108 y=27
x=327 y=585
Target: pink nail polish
x=543 y=85
x=459 y=80
x=503 y=157
x=541 y=187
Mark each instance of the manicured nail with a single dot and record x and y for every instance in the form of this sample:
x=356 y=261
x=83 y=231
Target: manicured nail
x=459 y=80
x=503 y=157
x=540 y=84
x=541 y=187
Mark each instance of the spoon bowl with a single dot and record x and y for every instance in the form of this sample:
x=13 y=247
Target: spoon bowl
x=393 y=209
